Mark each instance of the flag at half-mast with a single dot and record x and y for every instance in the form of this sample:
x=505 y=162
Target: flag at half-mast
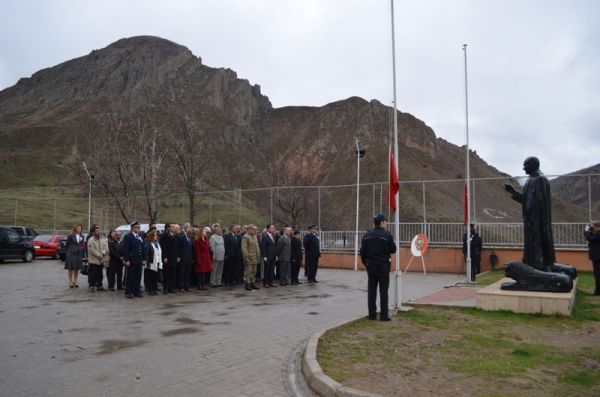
x=394 y=184
x=466 y=205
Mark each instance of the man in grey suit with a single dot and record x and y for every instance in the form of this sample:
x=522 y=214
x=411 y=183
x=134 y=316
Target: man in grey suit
x=284 y=255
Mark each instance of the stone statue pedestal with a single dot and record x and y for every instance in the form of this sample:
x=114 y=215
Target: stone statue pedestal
x=550 y=303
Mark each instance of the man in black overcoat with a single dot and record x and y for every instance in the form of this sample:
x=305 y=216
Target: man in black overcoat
x=312 y=250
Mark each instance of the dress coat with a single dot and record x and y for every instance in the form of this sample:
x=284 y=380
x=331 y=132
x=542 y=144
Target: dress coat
x=203 y=256
x=74 y=256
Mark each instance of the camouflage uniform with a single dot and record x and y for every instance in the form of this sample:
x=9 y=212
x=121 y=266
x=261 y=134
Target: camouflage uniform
x=251 y=255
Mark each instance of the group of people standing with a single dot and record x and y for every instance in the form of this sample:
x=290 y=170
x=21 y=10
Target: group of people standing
x=188 y=257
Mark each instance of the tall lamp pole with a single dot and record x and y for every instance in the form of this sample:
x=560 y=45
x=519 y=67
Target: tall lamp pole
x=90 y=179
x=360 y=153
x=467 y=174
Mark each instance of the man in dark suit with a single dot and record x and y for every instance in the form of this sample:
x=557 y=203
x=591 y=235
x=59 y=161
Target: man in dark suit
x=296 y=257
x=312 y=249
x=476 y=247
x=186 y=248
x=169 y=244
x=284 y=255
x=233 y=255
x=269 y=252
x=133 y=250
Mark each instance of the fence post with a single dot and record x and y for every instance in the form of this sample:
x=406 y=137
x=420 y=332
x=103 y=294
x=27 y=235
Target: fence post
x=473 y=201
x=240 y=208
x=590 y=197
x=271 y=206
x=54 y=218
x=424 y=205
x=319 y=204
x=210 y=204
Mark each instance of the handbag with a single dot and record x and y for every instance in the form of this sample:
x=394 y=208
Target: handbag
x=85 y=269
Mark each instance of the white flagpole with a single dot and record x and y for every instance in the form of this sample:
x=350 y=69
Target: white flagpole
x=398 y=274
x=467 y=173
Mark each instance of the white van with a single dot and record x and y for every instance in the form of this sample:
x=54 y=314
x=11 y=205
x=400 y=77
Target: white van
x=124 y=229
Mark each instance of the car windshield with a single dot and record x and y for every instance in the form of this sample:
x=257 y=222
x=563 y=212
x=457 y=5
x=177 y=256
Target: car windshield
x=43 y=238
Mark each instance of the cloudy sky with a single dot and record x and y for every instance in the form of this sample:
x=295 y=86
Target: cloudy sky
x=534 y=81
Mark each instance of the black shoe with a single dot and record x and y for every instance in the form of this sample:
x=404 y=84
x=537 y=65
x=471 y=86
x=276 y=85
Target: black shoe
x=119 y=288
x=248 y=287
x=129 y=296
x=372 y=317
x=172 y=291
x=315 y=281
x=100 y=289
x=92 y=289
x=139 y=295
x=111 y=289
x=165 y=291
x=254 y=286
x=385 y=319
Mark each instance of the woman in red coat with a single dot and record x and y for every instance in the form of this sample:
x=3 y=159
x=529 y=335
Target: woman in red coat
x=203 y=257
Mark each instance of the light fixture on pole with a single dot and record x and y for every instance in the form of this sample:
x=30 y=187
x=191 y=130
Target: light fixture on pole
x=90 y=179
x=360 y=153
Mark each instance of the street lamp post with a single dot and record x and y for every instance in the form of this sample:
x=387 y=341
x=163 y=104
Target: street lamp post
x=90 y=179
x=360 y=153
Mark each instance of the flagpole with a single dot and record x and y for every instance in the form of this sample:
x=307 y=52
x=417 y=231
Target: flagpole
x=467 y=173
x=398 y=274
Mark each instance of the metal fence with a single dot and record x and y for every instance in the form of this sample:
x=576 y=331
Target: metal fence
x=430 y=206
x=566 y=235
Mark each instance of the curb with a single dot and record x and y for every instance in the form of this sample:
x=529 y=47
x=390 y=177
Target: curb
x=316 y=379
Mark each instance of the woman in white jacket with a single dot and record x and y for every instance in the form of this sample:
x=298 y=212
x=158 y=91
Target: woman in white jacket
x=154 y=262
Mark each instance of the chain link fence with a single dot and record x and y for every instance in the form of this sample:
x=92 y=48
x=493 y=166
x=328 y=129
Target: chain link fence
x=430 y=207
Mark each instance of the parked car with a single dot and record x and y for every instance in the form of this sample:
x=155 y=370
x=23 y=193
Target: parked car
x=27 y=232
x=15 y=246
x=46 y=245
x=62 y=248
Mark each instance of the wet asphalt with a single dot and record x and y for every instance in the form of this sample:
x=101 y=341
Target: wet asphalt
x=56 y=341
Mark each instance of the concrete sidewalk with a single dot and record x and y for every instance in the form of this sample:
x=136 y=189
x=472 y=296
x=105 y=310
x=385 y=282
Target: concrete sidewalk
x=224 y=342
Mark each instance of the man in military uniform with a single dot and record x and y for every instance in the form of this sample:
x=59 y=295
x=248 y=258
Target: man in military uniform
x=251 y=256
x=375 y=252
x=133 y=250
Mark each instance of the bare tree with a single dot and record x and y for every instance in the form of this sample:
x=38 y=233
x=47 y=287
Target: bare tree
x=293 y=203
x=189 y=158
x=127 y=156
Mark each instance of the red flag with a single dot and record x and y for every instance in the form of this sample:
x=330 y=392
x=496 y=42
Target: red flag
x=465 y=205
x=394 y=184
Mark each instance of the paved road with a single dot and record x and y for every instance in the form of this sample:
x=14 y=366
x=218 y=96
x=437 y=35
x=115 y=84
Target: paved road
x=70 y=342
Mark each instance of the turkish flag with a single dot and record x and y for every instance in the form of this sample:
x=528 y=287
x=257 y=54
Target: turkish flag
x=394 y=184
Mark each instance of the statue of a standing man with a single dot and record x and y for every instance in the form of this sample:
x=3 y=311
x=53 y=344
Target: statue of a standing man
x=537 y=216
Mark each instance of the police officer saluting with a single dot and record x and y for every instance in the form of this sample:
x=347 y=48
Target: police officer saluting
x=375 y=252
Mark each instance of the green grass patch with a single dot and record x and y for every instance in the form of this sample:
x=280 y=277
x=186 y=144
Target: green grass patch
x=489 y=353
x=490 y=277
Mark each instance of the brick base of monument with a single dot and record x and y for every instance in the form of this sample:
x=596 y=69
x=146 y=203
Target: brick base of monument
x=551 y=303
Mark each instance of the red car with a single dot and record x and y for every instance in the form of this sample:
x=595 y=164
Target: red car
x=46 y=245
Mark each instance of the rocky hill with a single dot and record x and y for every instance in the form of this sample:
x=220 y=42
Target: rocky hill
x=575 y=188
x=47 y=125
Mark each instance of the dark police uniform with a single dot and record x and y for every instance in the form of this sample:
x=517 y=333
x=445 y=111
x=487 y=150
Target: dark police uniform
x=312 y=249
x=476 y=247
x=375 y=251
x=133 y=251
